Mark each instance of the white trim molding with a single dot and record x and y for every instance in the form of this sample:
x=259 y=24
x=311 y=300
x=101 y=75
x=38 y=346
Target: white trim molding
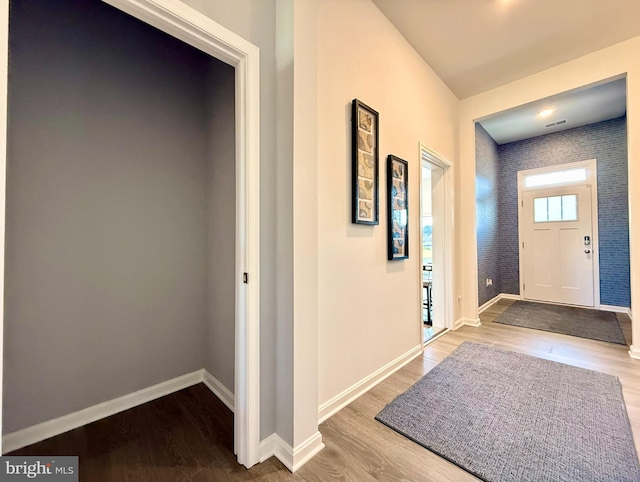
x=634 y=352
x=472 y=322
x=268 y=446
x=443 y=274
x=328 y=408
x=501 y=296
x=508 y=296
x=219 y=390
x=617 y=309
x=460 y=322
x=489 y=303
x=292 y=458
x=56 y=426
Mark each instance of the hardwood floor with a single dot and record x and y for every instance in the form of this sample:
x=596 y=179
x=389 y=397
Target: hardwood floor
x=187 y=436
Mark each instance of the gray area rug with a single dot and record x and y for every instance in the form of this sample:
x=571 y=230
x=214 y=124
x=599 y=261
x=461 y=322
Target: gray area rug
x=567 y=320
x=504 y=416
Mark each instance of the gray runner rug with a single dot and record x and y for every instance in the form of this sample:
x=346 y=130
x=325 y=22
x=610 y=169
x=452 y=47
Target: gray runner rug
x=507 y=417
x=567 y=320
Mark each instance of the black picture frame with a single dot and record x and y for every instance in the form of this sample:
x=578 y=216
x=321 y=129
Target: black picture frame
x=397 y=208
x=364 y=160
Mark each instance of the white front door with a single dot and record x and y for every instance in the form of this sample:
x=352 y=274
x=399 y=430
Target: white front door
x=557 y=245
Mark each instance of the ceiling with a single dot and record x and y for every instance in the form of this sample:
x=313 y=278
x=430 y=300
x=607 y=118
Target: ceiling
x=477 y=45
x=579 y=107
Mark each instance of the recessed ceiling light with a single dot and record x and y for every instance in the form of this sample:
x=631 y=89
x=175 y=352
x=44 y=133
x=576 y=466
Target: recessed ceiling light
x=545 y=112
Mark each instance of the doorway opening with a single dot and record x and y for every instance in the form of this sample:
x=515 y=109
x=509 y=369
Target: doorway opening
x=128 y=218
x=435 y=230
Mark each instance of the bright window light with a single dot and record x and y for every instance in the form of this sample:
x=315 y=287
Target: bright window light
x=558 y=177
x=555 y=208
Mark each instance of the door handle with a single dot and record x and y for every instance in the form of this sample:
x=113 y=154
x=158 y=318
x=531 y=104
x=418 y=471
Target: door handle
x=587 y=251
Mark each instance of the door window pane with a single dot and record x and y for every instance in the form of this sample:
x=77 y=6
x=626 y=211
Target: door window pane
x=570 y=207
x=557 y=177
x=555 y=208
x=540 y=210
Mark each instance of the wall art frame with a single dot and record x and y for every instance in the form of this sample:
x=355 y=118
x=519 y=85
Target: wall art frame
x=397 y=208
x=365 y=123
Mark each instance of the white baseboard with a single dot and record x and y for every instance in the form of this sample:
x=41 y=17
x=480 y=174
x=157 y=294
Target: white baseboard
x=489 y=303
x=634 y=352
x=219 y=390
x=268 y=446
x=56 y=426
x=343 y=399
x=617 y=309
x=501 y=296
x=460 y=322
x=292 y=458
x=303 y=452
x=472 y=322
x=507 y=296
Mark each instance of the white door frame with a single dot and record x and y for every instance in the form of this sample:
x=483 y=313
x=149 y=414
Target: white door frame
x=445 y=278
x=592 y=179
x=183 y=22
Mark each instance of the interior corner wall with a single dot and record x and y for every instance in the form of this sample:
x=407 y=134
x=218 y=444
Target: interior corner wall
x=369 y=309
x=221 y=223
x=254 y=20
x=607 y=143
x=105 y=232
x=487 y=220
x=285 y=358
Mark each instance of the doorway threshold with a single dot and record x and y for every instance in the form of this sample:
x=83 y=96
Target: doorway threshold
x=432 y=333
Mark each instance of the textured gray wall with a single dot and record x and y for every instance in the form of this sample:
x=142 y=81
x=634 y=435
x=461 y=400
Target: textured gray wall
x=605 y=141
x=106 y=271
x=221 y=223
x=487 y=226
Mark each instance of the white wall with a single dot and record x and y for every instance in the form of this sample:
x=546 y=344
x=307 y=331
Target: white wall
x=306 y=39
x=368 y=307
x=296 y=63
x=613 y=61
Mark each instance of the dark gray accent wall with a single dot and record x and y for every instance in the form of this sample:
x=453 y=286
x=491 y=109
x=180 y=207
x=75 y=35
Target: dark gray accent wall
x=107 y=223
x=221 y=224
x=605 y=141
x=487 y=222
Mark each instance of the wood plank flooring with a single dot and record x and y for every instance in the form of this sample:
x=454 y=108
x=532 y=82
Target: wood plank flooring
x=187 y=436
